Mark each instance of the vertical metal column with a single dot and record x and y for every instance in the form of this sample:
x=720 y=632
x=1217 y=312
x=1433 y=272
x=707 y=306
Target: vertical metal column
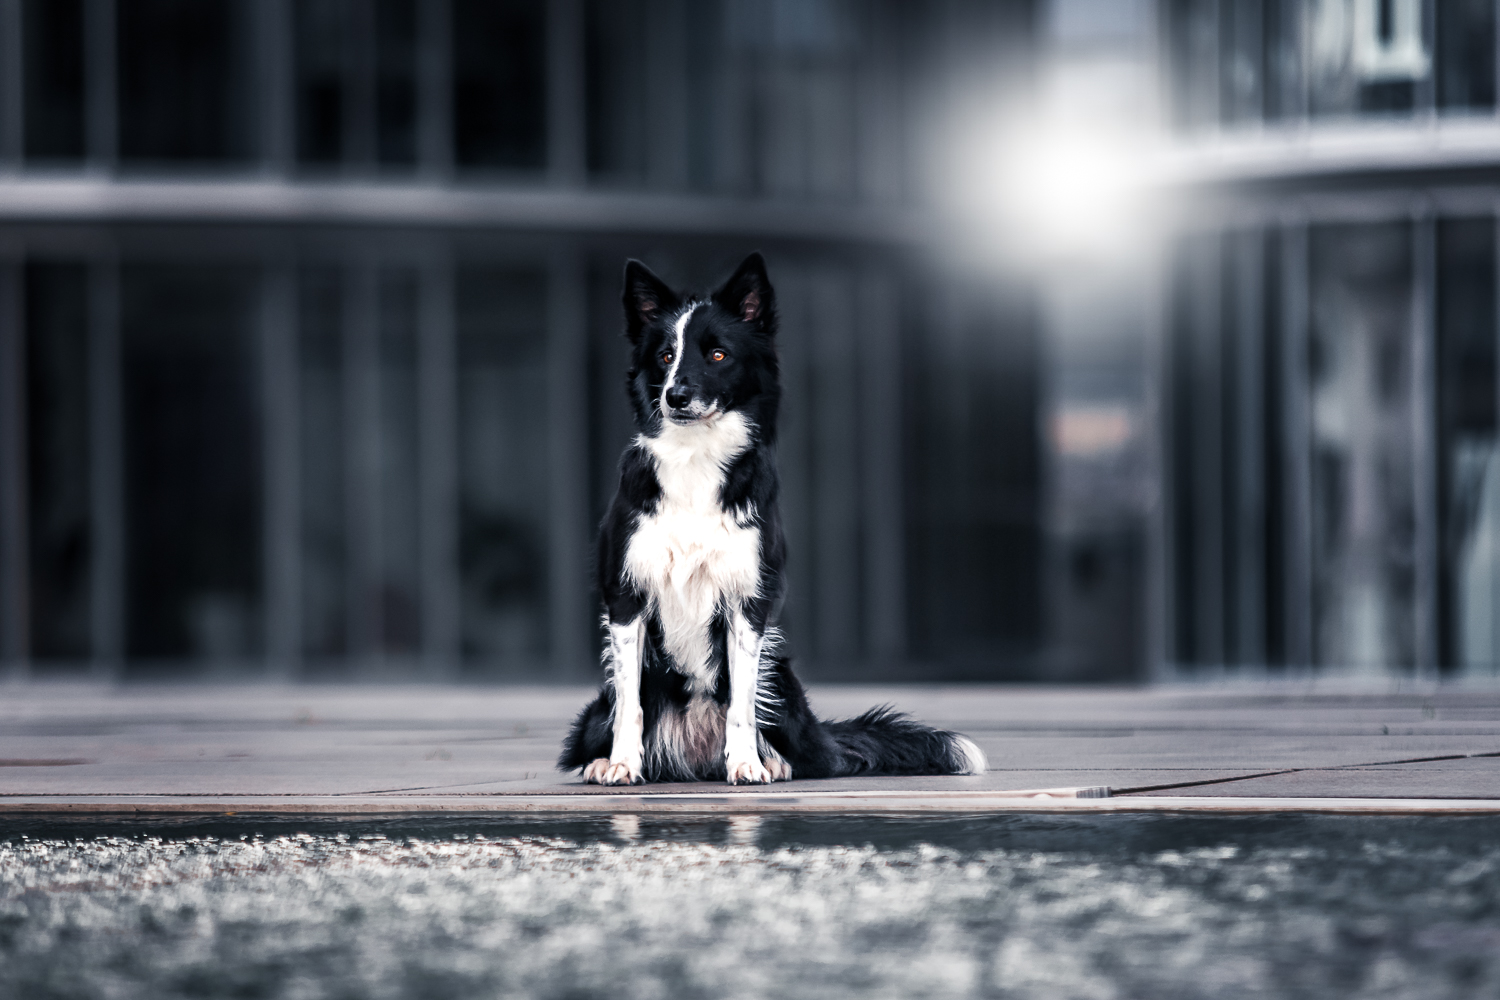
x=1424 y=442
x=435 y=88
x=100 y=77
x=1206 y=335
x=1249 y=450
x=567 y=486
x=12 y=97
x=437 y=394
x=15 y=563
x=362 y=455
x=106 y=470
x=1156 y=412
x=835 y=467
x=566 y=163
x=281 y=536
x=1296 y=446
x=880 y=415
x=277 y=68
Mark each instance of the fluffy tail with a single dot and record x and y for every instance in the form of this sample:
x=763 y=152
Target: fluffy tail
x=883 y=741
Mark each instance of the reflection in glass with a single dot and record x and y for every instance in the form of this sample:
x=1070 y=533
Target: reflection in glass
x=1467 y=468
x=1365 y=55
x=1361 y=401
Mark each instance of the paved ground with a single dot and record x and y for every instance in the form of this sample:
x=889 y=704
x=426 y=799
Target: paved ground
x=264 y=747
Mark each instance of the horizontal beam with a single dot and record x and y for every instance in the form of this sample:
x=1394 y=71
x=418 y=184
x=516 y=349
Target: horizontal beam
x=91 y=199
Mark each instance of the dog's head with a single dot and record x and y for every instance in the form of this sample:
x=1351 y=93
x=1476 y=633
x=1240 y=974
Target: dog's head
x=696 y=358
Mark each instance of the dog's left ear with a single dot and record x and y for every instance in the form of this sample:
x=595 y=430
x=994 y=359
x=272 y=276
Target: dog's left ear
x=748 y=294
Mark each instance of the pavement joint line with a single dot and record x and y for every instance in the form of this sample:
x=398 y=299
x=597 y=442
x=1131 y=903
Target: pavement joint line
x=1298 y=770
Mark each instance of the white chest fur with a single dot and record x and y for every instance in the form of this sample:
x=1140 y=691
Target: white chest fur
x=691 y=555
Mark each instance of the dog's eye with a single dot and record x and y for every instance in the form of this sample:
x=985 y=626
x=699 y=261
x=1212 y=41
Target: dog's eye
x=666 y=357
x=717 y=356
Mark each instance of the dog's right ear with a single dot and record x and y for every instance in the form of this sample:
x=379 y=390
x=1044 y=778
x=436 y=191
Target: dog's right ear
x=647 y=298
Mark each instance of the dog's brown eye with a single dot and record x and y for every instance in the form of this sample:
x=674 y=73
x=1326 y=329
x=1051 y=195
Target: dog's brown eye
x=666 y=358
x=717 y=356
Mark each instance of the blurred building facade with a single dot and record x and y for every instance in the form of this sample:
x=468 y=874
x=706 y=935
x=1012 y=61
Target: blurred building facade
x=1328 y=377
x=309 y=330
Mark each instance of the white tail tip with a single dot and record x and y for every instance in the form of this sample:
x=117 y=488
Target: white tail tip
x=969 y=755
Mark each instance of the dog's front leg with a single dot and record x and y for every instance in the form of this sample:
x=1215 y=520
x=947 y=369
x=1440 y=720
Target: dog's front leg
x=741 y=755
x=624 y=764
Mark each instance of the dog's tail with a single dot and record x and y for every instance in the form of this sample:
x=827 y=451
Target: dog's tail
x=883 y=741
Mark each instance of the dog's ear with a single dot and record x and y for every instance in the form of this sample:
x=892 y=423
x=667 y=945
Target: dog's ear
x=748 y=294
x=647 y=298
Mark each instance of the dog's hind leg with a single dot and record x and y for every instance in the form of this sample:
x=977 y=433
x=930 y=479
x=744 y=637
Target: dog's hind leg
x=741 y=747
x=623 y=766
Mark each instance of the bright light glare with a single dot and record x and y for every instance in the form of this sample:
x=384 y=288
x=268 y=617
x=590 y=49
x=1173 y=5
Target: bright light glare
x=1072 y=192
x=1054 y=193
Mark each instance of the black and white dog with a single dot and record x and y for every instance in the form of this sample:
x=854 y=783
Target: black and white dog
x=690 y=567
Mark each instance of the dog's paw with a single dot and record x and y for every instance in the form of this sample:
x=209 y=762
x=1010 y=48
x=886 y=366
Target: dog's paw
x=778 y=768
x=603 y=771
x=748 y=772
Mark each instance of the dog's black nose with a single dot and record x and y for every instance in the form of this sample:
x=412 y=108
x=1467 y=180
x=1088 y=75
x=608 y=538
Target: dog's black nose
x=678 y=397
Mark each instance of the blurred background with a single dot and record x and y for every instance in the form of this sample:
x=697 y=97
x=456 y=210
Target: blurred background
x=1123 y=340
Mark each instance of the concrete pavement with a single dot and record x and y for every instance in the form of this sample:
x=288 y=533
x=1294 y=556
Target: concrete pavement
x=360 y=749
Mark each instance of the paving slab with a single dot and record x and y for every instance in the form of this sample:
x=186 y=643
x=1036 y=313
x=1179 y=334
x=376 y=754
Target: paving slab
x=450 y=747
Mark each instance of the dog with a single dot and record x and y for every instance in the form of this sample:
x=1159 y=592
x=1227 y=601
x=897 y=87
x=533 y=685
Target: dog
x=690 y=564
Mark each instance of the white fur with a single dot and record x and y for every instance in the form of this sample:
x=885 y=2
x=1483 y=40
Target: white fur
x=624 y=764
x=691 y=555
x=741 y=752
x=968 y=751
x=679 y=334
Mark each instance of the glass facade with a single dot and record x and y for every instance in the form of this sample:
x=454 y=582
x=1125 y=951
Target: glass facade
x=1329 y=357
x=320 y=332
x=1236 y=63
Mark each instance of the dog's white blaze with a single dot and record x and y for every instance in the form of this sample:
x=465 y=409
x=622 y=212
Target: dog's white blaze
x=679 y=334
x=691 y=555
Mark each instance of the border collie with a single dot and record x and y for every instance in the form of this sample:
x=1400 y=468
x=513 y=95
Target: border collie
x=690 y=567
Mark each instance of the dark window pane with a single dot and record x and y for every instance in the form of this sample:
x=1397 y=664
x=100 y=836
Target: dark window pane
x=57 y=383
x=502 y=440
x=499 y=83
x=53 y=82
x=184 y=76
x=324 y=503
x=192 y=463
x=972 y=467
x=1242 y=66
x=1466 y=53
x=396 y=81
x=322 y=30
x=615 y=88
x=394 y=598
x=1468 y=479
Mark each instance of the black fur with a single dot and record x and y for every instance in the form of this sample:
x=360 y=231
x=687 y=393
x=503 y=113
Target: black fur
x=729 y=361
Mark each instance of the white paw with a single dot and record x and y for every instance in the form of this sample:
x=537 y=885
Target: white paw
x=748 y=772
x=603 y=771
x=778 y=768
